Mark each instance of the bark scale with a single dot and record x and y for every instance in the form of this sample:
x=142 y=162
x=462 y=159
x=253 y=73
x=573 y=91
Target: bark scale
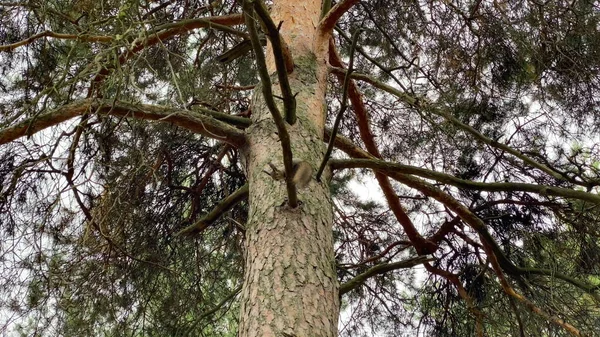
x=290 y=284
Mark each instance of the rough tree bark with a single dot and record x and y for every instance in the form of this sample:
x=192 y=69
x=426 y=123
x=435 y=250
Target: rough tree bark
x=290 y=285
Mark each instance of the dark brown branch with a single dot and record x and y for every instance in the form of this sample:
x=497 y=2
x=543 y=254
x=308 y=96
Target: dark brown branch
x=284 y=62
x=379 y=269
x=462 y=292
x=196 y=122
x=267 y=92
x=220 y=209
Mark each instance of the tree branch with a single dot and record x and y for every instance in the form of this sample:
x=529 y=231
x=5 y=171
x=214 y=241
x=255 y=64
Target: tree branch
x=379 y=269
x=335 y=13
x=47 y=33
x=205 y=125
x=222 y=207
x=167 y=31
x=269 y=100
x=490 y=245
x=284 y=62
x=461 y=183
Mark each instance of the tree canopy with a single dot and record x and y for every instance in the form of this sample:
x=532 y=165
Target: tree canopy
x=473 y=124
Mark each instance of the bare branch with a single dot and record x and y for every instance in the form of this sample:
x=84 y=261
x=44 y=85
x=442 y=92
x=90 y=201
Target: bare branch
x=199 y=123
x=269 y=100
x=379 y=269
x=284 y=61
x=222 y=207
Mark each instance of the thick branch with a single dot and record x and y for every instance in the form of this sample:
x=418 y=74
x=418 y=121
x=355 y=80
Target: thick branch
x=167 y=31
x=284 y=62
x=335 y=13
x=205 y=125
x=379 y=269
x=222 y=207
x=269 y=100
x=468 y=184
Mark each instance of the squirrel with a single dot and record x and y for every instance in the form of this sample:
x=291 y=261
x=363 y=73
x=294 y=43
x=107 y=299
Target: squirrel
x=301 y=173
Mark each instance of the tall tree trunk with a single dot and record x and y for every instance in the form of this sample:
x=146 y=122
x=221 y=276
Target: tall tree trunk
x=290 y=284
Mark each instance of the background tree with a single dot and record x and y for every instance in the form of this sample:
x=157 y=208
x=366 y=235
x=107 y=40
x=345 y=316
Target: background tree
x=137 y=198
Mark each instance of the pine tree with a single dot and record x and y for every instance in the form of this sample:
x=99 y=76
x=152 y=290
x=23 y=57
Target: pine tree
x=187 y=168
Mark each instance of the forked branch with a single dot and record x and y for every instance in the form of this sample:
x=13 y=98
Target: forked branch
x=284 y=62
x=267 y=92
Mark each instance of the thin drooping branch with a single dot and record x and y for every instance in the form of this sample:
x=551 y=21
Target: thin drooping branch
x=195 y=122
x=284 y=62
x=220 y=209
x=335 y=13
x=422 y=246
x=462 y=183
x=267 y=92
x=379 y=269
